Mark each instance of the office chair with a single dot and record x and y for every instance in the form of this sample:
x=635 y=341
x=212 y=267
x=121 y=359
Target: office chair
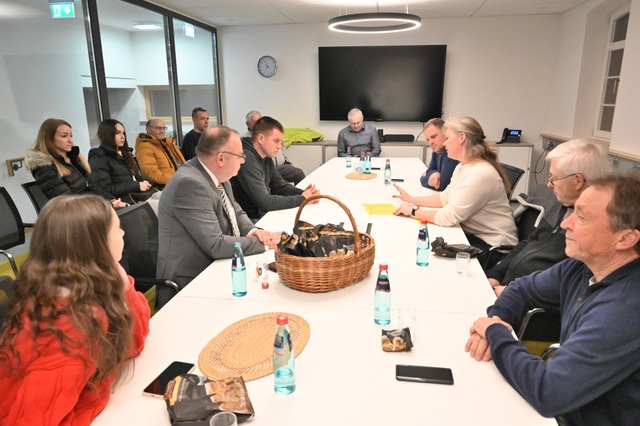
x=139 y=258
x=37 y=197
x=539 y=330
x=6 y=294
x=11 y=227
x=514 y=174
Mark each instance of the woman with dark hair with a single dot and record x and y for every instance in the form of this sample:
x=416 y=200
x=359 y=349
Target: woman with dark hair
x=476 y=199
x=113 y=167
x=75 y=318
x=57 y=165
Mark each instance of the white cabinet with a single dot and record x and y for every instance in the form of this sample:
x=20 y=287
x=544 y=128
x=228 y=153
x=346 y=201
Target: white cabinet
x=518 y=155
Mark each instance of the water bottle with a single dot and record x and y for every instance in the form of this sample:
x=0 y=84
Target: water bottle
x=238 y=271
x=387 y=172
x=284 y=363
x=367 y=160
x=348 y=157
x=422 y=249
x=382 y=301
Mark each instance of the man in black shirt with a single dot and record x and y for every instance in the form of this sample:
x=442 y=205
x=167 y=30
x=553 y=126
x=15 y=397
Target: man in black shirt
x=200 y=118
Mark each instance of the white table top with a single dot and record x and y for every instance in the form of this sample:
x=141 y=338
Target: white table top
x=343 y=376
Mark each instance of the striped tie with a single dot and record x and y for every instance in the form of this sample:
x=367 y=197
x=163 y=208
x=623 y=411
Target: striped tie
x=228 y=209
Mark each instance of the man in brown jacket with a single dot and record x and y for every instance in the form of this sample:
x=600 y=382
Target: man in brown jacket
x=158 y=155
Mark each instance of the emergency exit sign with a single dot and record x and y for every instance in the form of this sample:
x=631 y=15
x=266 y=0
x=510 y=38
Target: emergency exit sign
x=61 y=10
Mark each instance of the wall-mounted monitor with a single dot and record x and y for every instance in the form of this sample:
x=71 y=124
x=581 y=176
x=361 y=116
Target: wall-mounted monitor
x=388 y=83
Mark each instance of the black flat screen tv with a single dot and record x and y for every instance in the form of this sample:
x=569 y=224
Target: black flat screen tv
x=388 y=83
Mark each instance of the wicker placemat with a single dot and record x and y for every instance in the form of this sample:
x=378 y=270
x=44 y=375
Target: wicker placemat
x=245 y=348
x=361 y=176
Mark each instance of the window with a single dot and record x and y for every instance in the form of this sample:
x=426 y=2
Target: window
x=615 y=52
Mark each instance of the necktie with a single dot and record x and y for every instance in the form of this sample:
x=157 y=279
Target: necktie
x=228 y=209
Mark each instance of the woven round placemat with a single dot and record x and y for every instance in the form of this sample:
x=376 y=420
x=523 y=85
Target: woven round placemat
x=361 y=176
x=245 y=348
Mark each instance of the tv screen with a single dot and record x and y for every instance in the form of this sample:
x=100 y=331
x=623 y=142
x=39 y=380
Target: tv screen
x=388 y=83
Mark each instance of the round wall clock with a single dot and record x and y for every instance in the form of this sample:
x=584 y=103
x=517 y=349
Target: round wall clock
x=267 y=66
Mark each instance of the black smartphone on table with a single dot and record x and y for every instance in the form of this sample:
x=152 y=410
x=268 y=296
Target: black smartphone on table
x=158 y=386
x=419 y=373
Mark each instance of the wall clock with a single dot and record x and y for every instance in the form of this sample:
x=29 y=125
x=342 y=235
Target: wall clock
x=267 y=66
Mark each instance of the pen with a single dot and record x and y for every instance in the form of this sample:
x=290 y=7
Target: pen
x=375 y=168
x=397 y=180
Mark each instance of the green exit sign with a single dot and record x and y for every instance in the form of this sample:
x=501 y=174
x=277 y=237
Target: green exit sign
x=62 y=10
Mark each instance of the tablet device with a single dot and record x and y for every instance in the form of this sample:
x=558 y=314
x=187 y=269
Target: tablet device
x=158 y=386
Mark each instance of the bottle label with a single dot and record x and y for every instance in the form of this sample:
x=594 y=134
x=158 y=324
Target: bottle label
x=279 y=344
x=234 y=262
x=383 y=285
x=422 y=235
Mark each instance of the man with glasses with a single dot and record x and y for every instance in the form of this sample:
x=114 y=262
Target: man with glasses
x=594 y=376
x=158 y=154
x=259 y=188
x=572 y=165
x=198 y=217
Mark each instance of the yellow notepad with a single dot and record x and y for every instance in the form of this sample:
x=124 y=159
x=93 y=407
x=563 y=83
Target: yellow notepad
x=386 y=208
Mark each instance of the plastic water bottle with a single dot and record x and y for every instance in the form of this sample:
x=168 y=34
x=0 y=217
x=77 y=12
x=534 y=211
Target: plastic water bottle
x=348 y=157
x=367 y=160
x=382 y=301
x=284 y=363
x=238 y=271
x=387 y=172
x=422 y=249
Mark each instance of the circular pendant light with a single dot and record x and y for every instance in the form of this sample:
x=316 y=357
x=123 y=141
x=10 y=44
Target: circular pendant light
x=374 y=23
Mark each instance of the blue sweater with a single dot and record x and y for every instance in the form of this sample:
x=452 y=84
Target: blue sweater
x=444 y=165
x=594 y=378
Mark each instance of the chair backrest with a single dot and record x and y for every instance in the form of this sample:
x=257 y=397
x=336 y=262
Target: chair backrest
x=140 y=225
x=37 y=197
x=6 y=294
x=514 y=174
x=11 y=225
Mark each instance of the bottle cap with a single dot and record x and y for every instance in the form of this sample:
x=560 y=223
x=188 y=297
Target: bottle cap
x=282 y=320
x=424 y=222
x=384 y=266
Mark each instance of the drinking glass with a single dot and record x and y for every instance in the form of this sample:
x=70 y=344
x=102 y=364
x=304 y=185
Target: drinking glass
x=462 y=263
x=224 y=418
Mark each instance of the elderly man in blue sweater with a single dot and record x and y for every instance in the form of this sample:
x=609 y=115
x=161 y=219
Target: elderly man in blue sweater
x=594 y=377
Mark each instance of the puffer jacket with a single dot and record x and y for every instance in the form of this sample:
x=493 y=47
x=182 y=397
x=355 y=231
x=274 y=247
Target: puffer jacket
x=158 y=159
x=111 y=172
x=52 y=184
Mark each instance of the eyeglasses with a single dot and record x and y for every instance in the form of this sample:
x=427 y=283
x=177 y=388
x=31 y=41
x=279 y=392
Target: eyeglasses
x=552 y=181
x=235 y=155
x=158 y=127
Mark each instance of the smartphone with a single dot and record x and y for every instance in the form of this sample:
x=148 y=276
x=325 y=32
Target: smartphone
x=419 y=373
x=272 y=267
x=158 y=386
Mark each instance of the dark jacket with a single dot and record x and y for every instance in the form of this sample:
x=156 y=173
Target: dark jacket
x=52 y=184
x=259 y=188
x=541 y=250
x=111 y=172
x=442 y=164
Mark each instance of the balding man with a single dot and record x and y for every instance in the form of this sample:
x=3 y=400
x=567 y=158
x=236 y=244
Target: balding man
x=199 y=220
x=158 y=154
x=361 y=137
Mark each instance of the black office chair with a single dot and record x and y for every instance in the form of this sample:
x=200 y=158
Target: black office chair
x=6 y=294
x=539 y=331
x=11 y=227
x=140 y=255
x=37 y=197
x=514 y=174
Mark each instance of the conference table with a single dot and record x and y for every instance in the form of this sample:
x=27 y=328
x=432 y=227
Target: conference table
x=342 y=376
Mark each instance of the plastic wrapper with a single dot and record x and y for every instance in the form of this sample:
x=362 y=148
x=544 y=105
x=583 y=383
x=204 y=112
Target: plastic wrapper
x=193 y=399
x=398 y=340
x=441 y=248
x=324 y=240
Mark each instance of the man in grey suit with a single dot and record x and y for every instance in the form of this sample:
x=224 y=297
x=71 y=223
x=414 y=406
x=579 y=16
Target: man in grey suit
x=199 y=220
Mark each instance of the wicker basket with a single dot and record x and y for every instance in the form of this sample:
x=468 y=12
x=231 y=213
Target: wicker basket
x=322 y=274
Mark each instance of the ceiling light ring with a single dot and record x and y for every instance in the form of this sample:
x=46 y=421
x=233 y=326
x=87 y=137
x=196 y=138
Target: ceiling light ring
x=401 y=22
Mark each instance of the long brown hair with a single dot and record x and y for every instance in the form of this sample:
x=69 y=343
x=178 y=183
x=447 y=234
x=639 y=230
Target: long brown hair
x=44 y=144
x=107 y=135
x=70 y=258
x=476 y=146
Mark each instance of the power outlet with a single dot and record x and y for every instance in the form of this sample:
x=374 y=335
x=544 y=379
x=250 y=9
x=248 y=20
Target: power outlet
x=549 y=144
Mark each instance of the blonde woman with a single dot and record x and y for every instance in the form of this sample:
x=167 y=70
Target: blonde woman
x=476 y=199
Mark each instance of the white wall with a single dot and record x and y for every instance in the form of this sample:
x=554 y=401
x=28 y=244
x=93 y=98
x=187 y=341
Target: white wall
x=498 y=70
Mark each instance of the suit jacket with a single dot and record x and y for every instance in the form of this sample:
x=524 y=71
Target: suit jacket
x=194 y=230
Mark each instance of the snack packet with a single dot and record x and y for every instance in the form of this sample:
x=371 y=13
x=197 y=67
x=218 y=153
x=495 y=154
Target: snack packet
x=398 y=340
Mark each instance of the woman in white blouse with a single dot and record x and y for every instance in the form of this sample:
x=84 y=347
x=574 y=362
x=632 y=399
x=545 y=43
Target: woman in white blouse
x=476 y=199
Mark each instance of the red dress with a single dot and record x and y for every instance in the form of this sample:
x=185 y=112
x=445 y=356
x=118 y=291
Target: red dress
x=50 y=388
